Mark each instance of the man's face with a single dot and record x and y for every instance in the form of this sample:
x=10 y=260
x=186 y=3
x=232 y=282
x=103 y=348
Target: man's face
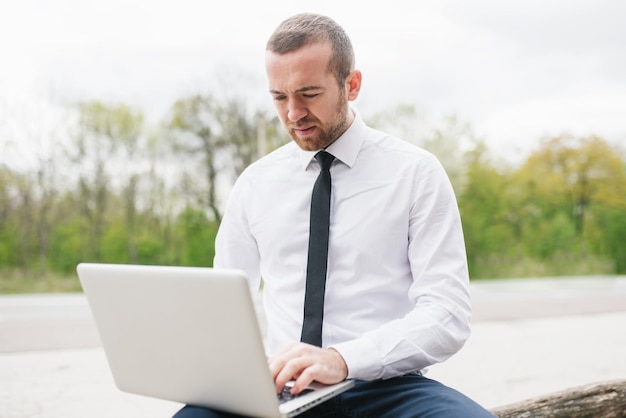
x=310 y=103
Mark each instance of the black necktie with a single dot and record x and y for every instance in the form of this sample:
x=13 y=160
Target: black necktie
x=318 y=254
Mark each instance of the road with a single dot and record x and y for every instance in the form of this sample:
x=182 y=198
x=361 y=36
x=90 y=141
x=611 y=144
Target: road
x=46 y=322
x=63 y=321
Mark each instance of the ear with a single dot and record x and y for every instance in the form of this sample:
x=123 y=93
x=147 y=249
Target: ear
x=353 y=83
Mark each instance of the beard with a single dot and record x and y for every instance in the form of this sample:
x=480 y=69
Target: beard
x=325 y=133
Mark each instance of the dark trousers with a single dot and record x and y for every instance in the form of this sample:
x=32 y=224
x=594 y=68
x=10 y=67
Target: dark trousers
x=409 y=396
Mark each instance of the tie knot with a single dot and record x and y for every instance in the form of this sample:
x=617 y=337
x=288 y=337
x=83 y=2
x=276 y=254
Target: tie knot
x=325 y=159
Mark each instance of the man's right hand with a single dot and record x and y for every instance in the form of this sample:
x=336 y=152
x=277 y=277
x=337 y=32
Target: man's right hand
x=306 y=363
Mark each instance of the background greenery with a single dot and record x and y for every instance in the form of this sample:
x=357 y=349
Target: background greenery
x=111 y=187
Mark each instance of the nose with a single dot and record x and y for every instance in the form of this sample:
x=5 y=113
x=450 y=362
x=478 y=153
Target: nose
x=295 y=111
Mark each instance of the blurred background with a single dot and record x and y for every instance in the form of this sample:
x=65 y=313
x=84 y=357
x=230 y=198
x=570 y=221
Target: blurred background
x=123 y=125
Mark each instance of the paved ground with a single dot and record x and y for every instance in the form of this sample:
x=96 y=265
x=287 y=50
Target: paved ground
x=531 y=337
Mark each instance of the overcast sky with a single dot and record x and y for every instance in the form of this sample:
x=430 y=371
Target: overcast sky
x=516 y=70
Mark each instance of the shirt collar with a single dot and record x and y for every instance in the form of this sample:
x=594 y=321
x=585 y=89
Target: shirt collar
x=345 y=148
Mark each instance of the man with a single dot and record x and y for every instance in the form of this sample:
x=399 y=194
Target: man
x=395 y=299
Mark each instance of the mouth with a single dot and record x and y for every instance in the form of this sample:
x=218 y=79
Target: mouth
x=300 y=131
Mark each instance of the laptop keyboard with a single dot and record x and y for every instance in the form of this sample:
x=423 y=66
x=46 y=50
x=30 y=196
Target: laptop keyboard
x=287 y=396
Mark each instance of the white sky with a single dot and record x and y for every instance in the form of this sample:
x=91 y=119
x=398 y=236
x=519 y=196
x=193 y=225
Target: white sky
x=516 y=70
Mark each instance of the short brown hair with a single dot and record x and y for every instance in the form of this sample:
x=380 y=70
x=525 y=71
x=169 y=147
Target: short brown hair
x=307 y=28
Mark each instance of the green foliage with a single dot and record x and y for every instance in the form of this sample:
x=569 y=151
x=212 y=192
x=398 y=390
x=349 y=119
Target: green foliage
x=219 y=139
x=610 y=237
x=122 y=195
x=198 y=238
x=563 y=209
x=552 y=236
x=67 y=247
x=484 y=205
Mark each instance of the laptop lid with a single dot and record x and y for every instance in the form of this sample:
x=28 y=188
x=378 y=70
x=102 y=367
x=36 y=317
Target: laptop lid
x=189 y=335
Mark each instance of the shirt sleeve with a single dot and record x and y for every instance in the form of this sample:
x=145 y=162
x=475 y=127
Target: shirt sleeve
x=439 y=323
x=235 y=246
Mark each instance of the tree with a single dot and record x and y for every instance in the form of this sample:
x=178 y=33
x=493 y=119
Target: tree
x=194 y=124
x=489 y=221
x=197 y=236
x=452 y=143
x=573 y=188
x=221 y=138
x=9 y=243
x=448 y=140
x=102 y=133
x=404 y=121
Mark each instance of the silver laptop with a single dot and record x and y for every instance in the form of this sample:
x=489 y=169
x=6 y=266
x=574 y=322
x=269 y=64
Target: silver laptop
x=188 y=335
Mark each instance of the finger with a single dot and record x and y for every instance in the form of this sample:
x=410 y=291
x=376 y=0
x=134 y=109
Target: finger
x=326 y=366
x=299 y=361
x=293 y=369
x=278 y=361
x=306 y=377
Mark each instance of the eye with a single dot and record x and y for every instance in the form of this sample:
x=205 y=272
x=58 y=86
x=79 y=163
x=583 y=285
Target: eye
x=279 y=98
x=310 y=96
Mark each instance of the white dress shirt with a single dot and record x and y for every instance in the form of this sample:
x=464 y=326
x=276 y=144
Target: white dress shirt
x=397 y=296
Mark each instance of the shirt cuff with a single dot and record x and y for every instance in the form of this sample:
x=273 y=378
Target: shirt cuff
x=362 y=358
